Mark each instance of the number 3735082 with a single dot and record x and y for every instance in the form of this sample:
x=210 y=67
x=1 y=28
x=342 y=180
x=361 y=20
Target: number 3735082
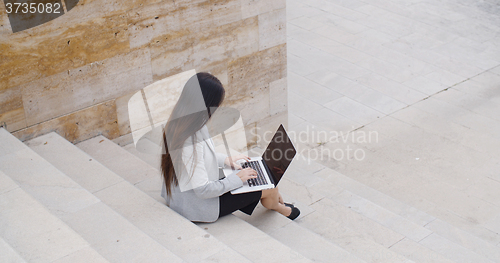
x=33 y=8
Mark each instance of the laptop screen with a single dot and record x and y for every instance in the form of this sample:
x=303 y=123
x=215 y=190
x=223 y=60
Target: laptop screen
x=279 y=154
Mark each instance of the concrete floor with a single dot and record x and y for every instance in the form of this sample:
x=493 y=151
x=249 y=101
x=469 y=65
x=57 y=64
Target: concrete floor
x=424 y=78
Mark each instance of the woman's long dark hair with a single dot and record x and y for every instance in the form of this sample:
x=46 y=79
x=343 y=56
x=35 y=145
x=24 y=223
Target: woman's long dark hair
x=185 y=121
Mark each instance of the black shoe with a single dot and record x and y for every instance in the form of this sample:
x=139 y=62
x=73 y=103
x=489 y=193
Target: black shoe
x=295 y=213
x=289 y=205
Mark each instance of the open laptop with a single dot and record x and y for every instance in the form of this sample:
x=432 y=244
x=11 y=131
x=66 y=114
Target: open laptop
x=270 y=167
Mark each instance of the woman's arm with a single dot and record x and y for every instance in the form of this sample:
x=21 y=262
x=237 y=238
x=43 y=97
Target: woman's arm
x=221 y=158
x=217 y=188
x=199 y=177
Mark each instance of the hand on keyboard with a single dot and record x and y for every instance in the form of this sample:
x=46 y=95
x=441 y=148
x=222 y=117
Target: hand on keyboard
x=247 y=174
x=260 y=179
x=231 y=161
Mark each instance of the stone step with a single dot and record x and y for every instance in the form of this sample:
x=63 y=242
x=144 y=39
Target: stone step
x=320 y=173
x=465 y=239
x=480 y=149
x=452 y=250
x=352 y=232
x=404 y=219
x=418 y=253
x=273 y=223
x=113 y=237
x=290 y=233
x=153 y=161
x=30 y=232
x=381 y=215
x=239 y=228
x=302 y=240
x=136 y=207
x=182 y=236
x=401 y=217
x=365 y=232
x=305 y=235
x=310 y=182
x=415 y=232
x=8 y=254
x=251 y=242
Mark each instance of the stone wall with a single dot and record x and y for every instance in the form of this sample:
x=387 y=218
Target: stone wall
x=74 y=74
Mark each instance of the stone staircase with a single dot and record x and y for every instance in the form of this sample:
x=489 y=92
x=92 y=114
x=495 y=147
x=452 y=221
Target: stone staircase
x=99 y=202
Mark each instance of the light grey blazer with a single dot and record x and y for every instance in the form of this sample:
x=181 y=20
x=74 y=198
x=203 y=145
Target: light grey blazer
x=201 y=204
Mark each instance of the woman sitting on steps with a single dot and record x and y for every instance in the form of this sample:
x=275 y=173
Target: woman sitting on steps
x=190 y=166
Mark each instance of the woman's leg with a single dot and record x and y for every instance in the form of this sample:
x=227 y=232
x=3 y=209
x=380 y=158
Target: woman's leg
x=271 y=199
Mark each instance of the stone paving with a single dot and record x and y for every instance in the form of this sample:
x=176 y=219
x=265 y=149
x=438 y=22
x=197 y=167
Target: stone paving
x=424 y=77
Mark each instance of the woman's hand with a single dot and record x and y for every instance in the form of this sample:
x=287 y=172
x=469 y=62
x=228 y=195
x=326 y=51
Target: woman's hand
x=231 y=161
x=247 y=173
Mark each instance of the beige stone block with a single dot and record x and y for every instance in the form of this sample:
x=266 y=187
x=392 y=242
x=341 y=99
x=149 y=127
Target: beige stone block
x=152 y=106
x=11 y=110
x=76 y=89
x=225 y=11
x=92 y=9
x=278 y=96
x=170 y=55
x=149 y=23
x=14 y=120
x=236 y=138
x=10 y=99
x=78 y=126
x=176 y=52
x=4 y=23
x=163 y=95
x=59 y=46
x=218 y=69
x=253 y=108
x=272 y=29
x=255 y=7
x=249 y=74
x=87 y=10
x=122 y=114
x=197 y=16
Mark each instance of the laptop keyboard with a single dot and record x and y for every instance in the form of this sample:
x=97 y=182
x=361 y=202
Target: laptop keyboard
x=260 y=180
